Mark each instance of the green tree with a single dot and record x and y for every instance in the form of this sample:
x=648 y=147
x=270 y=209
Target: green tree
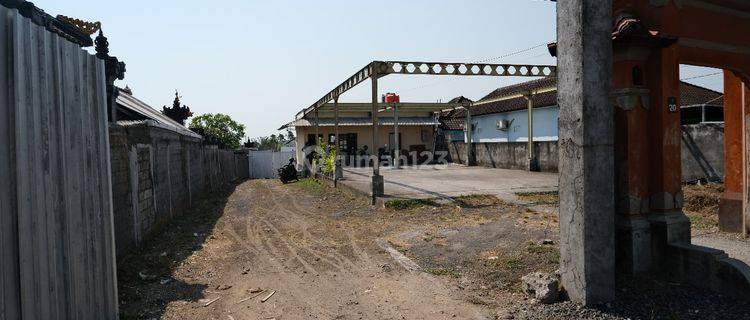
x=250 y=143
x=219 y=129
x=271 y=142
x=289 y=135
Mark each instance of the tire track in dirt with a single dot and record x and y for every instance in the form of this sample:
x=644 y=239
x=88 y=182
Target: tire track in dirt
x=263 y=233
x=263 y=242
x=322 y=256
x=361 y=254
x=290 y=247
x=299 y=220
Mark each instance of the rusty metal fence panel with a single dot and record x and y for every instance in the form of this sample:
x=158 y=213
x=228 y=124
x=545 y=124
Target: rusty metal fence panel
x=56 y=235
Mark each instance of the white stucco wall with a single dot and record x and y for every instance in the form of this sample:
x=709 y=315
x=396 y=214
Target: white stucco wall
x=410 y=136
x=545 y=126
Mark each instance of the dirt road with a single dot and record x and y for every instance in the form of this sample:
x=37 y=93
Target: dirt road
x=321 y=253
x=318 y=251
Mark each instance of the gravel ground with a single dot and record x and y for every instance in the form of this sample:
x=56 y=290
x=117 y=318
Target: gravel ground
x=733 y=244
x=643 y=300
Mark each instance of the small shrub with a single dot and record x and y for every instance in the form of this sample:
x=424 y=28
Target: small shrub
x=325 y=157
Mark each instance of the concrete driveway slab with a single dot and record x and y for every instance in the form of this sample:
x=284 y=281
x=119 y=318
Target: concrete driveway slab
x=445 y=181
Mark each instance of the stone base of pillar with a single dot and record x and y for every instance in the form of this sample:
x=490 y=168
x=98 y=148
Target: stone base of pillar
x=730 y=215
x=339 y=173
x=378 y=186
x=669 y=228
x=471 y=158
x=534 y=165
x=633 y=240
x=643 y=241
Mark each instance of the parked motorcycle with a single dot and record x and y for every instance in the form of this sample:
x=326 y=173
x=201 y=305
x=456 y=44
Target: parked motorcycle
x=288 y=172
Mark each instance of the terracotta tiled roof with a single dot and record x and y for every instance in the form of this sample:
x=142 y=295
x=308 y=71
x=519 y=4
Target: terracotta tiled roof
x=460 y=99
x=691 y=95
x=540 y=100
x=451 y=123
x=454 y=120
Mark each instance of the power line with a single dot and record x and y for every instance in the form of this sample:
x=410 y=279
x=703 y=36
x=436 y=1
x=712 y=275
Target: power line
x=703 y=76
x=484 y=61
x=513 y=53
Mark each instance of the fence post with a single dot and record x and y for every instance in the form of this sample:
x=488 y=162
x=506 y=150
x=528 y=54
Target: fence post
x=134 y=170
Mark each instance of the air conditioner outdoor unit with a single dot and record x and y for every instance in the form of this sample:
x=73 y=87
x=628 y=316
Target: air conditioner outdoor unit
x=502 y=124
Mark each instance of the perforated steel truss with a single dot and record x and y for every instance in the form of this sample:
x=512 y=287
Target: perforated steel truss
x=378 y=69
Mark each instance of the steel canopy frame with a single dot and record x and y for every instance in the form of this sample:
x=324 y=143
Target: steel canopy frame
x=383 y=68
x=379 y=69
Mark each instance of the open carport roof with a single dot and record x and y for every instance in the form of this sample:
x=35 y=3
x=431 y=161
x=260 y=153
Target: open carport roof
x=363 y=122
x=379 y=69
x=328 y=108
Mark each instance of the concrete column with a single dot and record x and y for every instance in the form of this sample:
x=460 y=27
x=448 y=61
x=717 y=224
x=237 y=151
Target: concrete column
x=470 y=156
x=377 y=179
x=533 y=164
x=317 y=141
x=745 y=153
x=338 y=172
x=586 y=131
x=397 y=145
x=317 y=126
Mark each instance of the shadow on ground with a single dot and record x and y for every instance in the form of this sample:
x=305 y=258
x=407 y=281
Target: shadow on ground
x=145 y=283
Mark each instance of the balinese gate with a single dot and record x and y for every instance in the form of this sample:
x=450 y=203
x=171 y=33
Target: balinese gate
x=637 y=47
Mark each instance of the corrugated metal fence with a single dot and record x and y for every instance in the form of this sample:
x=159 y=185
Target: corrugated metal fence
x=264 y=164
x=56 y=247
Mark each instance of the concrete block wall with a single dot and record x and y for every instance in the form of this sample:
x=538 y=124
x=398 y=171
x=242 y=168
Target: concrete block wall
x=702 y=153
x=512 y=155
x=159 y=174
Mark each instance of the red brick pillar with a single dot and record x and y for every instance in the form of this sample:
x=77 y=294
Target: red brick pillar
x=669 y=224
x=631 y=104
x=731 y=208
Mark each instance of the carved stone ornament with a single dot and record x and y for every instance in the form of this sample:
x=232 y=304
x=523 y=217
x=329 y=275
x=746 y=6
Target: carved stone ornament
x=86 y=27
x=628 y=98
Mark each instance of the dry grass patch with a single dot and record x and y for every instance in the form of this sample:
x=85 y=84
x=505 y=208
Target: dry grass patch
x=702 y=205
x=537 y=198
x=450 y=272
x=310 y=185
x=477 y=201
x=409 y=204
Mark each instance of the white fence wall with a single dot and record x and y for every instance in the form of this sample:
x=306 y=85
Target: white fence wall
x=264 y=164
x=56 y=240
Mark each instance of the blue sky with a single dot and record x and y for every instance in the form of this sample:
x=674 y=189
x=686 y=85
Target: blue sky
x=262 y=61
